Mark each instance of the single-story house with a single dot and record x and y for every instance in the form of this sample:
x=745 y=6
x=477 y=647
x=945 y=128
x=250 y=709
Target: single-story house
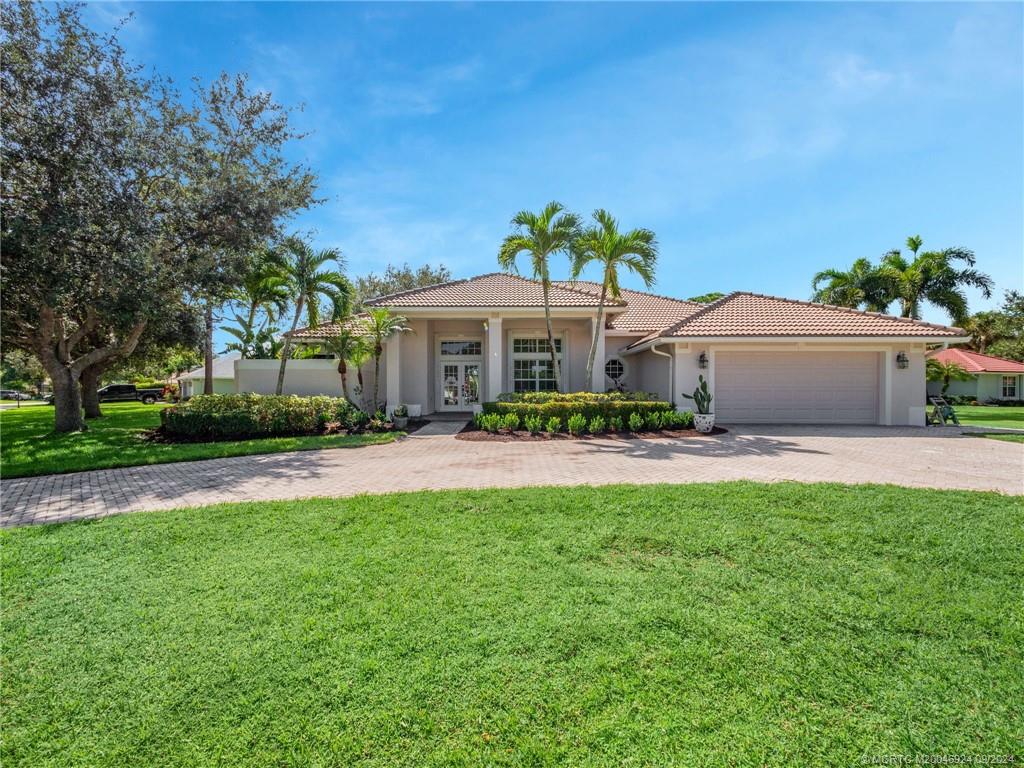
x=766 y=359
x=992 y=378
x=191 y=383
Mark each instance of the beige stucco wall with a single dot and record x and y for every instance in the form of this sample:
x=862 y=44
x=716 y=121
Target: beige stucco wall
x=303 y=377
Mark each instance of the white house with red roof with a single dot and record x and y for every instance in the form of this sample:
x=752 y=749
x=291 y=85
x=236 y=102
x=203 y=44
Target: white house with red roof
x=767 y=359
x=992 y=378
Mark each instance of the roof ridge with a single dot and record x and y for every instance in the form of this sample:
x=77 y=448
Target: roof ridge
x=702 y=311
x=645 y=293
x=562 y=284
x=407 y=291
x=850 y=310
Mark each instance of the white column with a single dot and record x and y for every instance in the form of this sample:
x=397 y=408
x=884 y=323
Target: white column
x=598 y=380
x=887 y=365
x=495 y=360
x=393 y=371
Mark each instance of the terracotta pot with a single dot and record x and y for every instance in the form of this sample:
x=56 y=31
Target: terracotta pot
x=704 y=422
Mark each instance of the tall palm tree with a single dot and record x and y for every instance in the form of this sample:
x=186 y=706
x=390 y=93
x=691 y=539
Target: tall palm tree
x=936 y=370
x=348 y=345
x=381 y=324
x=636 y=251
x=540 y=235
x=358 y=357
x=860 y=287
x=253 y=343
x=932 y=276
x=309 y=282
x=265 y=286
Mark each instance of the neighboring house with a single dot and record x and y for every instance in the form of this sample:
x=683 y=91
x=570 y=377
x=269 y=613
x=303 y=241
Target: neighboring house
x=191 y=383
x=993 y=378
x=766 y=359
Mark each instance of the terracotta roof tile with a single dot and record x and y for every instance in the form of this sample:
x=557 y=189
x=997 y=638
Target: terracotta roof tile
x=645 y=312
x=750 y=314
x=328 y=330
x=975 y=362
x=496 y=289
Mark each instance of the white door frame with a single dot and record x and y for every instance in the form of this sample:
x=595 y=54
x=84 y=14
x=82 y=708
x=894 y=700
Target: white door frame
x=457 y=360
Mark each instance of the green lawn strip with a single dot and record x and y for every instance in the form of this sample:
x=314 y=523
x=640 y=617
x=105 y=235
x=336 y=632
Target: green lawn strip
x=991 y=416
x=727 y=624
x=28 y=445
x=1006 y=437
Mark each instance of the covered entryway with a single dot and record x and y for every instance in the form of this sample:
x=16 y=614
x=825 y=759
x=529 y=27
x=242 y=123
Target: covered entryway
x=796 y=387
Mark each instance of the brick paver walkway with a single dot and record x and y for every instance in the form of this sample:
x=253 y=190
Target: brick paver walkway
x=906 y=456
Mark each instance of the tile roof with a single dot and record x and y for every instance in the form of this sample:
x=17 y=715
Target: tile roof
x=744 y=314
x=976 y=362
x=497 y=289
x=223 y=368
x=327 y=330
x=645 y=312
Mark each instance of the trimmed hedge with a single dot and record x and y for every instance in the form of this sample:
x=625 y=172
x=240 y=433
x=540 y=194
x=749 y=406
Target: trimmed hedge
x=223 y=417
x=589 y=407
x=576 y=397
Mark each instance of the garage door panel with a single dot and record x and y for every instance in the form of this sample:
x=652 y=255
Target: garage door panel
x=797 y=387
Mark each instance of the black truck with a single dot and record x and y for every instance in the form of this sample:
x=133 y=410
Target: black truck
x=113 y=393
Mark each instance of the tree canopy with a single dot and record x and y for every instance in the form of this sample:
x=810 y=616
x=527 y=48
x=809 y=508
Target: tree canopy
x=395 y=279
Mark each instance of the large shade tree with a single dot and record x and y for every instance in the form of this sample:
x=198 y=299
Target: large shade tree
x=540 y=236
x=312 y=277
x=610 y=250
x=118 y=202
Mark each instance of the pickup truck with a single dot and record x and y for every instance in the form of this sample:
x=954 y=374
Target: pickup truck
x=121 y=392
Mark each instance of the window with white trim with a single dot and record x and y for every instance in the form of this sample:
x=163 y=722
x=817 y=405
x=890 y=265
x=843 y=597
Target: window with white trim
x=531 y=364
x=1010 y=387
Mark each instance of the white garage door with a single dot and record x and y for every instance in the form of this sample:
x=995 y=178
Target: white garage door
x=796 y=387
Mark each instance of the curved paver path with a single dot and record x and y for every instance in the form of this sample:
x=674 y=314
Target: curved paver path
x=905 y=456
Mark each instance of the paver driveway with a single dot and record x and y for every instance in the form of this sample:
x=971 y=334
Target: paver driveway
x=904 y=456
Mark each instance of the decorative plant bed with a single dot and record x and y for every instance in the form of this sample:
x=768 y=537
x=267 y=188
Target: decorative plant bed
x=472 y=433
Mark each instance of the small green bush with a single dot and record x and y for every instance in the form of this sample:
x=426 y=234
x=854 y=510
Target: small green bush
x=615 y=424
x=590 y=404
x=597 y=425
x=636 y=422
x=577 y=424
x=235 y=417
x=654 y=421
x=490 y=422
x=575 y=397
x=533 y=424
x=553 y=425
x=510 y=421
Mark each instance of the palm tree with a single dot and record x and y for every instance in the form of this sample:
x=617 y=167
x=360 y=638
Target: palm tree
x=986 y=328
x=636 y=250
x=308 y=281
x=551 y=231
x=265 y=286
x=254 y=343
x=932 y=276
x=348 y=345
x=358 y=358
x=381 y=325
x=860 y=287
x=936 y=370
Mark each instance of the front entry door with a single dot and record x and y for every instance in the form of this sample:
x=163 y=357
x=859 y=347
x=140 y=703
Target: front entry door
x=460 y=386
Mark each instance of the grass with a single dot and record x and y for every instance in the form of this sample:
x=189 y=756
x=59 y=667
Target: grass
x=28 y=445
x=991 y=415
x=731 y=624
x=1006 y=438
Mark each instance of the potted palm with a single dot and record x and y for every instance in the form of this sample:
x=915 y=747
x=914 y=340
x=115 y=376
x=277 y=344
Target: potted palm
x=703 y=418
x=400 y=416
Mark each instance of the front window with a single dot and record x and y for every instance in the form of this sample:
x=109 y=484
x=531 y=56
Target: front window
x=1010 y=386
x=531 y=364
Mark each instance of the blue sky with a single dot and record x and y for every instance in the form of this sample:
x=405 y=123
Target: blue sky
x=761 y=142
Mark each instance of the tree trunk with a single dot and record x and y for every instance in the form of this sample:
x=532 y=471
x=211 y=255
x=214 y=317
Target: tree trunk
x=343 y=370
x=208 y=351
x=287 y=350
x=67 y=401
x=377 y=351
x=362 y=388
x=551 y=336
x=597 y=335
x=89 y=384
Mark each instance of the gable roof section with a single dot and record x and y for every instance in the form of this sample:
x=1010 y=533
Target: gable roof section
x=744 y=315
x=645 y=312
x=223 y=368
x=497 y=289
x=328 y=330
x=976 y=362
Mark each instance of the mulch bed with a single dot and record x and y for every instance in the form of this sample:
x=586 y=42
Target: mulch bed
x=472 y=433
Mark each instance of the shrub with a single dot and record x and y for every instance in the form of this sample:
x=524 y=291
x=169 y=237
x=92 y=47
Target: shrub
x=227 y=417
x=615 y=424
x=510 y=421
x=596 y=425
x=575 y=397
x=576 y=423
x=636 y=422
x=654 y=421
x=533 y=424
x=590 y=404
x=490 y=422
x=676 y=420
x=553 y=426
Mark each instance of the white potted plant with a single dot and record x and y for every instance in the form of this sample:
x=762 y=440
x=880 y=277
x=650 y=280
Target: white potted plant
x=400 y=416
x=703 y=418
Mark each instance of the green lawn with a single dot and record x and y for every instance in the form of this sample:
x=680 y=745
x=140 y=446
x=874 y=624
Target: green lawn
x=28 y=445
x=990 y=416
x=730 y=624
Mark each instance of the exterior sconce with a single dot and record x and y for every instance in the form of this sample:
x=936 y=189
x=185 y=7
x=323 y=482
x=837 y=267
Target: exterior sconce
x=486 y=325
x=902 y=361
x=702 y=361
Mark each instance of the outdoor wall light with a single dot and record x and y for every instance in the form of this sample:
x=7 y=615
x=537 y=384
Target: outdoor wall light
x=902 y=361
x=702 y=361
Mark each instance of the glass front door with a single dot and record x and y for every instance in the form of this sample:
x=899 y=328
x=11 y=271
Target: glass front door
x=460 y=386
